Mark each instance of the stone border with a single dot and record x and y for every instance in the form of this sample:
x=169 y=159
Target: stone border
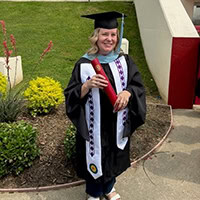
x=77 y=183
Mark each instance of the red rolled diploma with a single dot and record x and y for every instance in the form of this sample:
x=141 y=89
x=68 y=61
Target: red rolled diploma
x=109 y=89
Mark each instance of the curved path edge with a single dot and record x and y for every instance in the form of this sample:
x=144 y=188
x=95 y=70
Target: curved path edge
x=80 y=182
x=133 y=164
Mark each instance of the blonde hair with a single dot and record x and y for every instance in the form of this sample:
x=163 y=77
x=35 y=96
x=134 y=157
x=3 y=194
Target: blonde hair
x=93 y=41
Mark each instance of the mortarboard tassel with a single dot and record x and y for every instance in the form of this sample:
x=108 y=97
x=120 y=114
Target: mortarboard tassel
x=121 y=34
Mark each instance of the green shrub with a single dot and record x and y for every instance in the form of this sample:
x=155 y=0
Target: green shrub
x=69 y=142
x=3 y=84
x=11 y=105
x=17 y=146
x=43 y=95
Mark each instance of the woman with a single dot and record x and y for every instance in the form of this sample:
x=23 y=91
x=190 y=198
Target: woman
x=103 y=130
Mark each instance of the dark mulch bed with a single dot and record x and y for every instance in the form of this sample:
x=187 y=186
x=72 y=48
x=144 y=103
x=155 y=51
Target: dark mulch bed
x=52 y=167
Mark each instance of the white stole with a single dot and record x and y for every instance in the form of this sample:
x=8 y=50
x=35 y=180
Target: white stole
x=92 y=111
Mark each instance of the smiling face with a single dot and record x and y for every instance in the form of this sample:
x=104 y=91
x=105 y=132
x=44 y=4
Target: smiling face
x=107 y=40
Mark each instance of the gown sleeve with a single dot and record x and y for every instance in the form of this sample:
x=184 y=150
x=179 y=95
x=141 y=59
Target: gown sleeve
x=74 y=104
x=137 y=102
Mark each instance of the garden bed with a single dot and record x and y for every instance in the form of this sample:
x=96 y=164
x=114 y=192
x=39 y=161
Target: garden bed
x=52 y=167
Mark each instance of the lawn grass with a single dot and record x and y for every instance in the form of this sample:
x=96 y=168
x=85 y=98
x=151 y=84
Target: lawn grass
x=34 y=24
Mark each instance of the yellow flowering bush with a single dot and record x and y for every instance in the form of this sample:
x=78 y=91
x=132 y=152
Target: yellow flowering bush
x=3 y=84
x=43 y=95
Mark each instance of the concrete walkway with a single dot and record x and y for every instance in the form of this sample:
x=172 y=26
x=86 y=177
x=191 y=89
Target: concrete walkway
x=173 y=173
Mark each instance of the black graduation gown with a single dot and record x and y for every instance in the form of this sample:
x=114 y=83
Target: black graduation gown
x=114 y=160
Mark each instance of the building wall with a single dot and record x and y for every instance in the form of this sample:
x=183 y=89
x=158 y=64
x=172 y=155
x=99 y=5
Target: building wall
x=170 y=43
x=156 y=40
x=188 y=5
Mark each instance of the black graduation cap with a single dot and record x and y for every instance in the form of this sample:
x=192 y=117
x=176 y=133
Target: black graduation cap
x=106 y=20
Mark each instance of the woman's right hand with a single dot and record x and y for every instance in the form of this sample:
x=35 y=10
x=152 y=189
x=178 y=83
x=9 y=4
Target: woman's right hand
x=97 y=81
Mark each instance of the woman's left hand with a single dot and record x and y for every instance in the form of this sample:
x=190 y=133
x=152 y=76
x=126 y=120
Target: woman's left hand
x=122 y=100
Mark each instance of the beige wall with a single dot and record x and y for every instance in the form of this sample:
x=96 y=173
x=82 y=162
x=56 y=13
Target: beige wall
x=179 y=24
x=156 y=40
x=159 y=21
x=188 y=5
